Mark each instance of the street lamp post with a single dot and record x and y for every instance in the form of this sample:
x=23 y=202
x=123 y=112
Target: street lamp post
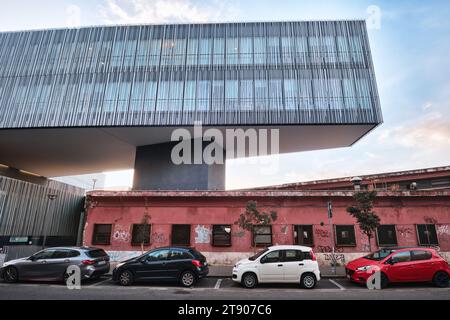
x=51 y=197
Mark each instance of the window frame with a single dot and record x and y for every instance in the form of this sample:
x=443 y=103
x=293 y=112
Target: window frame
x=296 y=231
x=187 y=244
x=95 y=241
x=435 y=235
x=133 y=229
x=254 y=234
x=336 y=235
x=213 y=242
x=395 y=235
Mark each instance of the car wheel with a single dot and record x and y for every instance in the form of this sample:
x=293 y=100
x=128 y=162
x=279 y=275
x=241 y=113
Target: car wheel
x=126 y=278
x=249 y=280
x=308 y=281
x=441 y=279
x=187 y=279
x=11 y=275
x=384 y=281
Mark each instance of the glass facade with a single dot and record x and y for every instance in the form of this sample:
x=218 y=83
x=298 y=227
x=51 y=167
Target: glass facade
x=227 y=74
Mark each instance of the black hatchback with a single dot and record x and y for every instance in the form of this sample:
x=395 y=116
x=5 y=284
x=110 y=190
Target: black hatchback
x=185 y=265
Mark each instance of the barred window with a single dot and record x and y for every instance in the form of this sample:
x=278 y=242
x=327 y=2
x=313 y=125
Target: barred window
x=181 y=234
x=426 y=234
x=345 y=235
x=303 y=235
x=262 y=235
x=386 y=235
x=102 y=234
x=221 y=235
x=141 y=234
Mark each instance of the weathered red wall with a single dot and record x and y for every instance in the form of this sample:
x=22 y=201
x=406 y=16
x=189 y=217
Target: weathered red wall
x=400 y=209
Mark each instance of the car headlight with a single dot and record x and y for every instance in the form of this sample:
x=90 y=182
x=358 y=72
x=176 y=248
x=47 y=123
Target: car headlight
x=364 y=268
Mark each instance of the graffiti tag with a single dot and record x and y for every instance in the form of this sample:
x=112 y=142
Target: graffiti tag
x=340 y=257
x=321 y=233
x=158 y=238
x=203 y=234
x=328 y=249
x=121 y=235
x=443 y=230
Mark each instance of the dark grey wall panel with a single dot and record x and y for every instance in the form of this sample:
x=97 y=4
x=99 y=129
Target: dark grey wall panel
x=160 y=75
x=155 y=170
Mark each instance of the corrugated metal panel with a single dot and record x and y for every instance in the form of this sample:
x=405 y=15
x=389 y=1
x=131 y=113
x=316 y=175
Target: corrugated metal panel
x=221 y=74
x=28 y=211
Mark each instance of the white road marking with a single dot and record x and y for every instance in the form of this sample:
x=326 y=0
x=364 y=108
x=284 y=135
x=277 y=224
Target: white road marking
x=217 y=286
x=337 y=284
x=99 y=283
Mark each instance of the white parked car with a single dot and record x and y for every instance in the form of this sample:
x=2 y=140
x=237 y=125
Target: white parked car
x=279 y=264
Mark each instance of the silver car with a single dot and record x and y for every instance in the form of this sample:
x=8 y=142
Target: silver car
x=51 y=264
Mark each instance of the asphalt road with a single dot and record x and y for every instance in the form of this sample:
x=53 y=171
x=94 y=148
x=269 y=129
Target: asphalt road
x=215 y=288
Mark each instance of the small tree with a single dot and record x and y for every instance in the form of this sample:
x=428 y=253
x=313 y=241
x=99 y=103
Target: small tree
x=367 y=219
x=253 y=217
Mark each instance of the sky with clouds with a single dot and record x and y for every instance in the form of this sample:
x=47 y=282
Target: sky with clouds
x=410 y=52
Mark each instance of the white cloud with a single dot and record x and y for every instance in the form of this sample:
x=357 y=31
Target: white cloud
x=427 y=105
x=163 y=11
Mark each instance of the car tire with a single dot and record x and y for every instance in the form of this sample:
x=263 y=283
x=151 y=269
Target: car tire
x=441 y=279
x=308 y=281
x=187 y=279
x=126 y=278
x=11 y=275
x=384 y=281
x=249 y=280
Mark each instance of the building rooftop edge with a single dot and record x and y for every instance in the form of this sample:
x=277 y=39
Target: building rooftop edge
x=260 y=193
x=179 y=23
x=366 y=178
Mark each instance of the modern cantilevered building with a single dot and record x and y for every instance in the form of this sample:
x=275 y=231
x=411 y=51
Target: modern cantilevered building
x=77 y=101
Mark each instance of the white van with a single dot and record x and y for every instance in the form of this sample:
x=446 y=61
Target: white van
x=279 y=264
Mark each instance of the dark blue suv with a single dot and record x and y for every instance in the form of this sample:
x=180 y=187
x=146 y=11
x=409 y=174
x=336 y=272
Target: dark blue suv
x=185 y=265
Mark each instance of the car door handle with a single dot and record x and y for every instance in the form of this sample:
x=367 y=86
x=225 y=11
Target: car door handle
x=280 y=265
x=44 y=261
x=67 y=260
x=301 y=264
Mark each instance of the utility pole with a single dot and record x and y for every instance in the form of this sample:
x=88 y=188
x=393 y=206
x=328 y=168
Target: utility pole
x=330 y=222
x=51 y=197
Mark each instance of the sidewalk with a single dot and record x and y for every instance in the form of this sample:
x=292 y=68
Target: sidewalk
x=225 y=272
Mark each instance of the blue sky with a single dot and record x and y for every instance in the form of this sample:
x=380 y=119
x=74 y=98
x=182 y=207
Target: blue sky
x=411 y=53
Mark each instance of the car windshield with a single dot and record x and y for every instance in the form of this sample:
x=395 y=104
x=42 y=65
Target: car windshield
x=379 y=255
x=259 y=254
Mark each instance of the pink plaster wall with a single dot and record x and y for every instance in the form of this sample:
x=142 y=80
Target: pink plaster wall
x=122 y=212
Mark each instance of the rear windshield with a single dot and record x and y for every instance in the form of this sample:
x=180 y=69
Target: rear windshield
x=97 y=253
x=307 y=255
x=197 y=254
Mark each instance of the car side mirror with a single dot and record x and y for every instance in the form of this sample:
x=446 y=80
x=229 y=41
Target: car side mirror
x=32 y=258
x=262 y=260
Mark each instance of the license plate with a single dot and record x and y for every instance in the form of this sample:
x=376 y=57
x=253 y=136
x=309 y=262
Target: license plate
x=100 y=263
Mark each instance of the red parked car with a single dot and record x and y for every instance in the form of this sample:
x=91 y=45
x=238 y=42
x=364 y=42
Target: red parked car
x=401 y=265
